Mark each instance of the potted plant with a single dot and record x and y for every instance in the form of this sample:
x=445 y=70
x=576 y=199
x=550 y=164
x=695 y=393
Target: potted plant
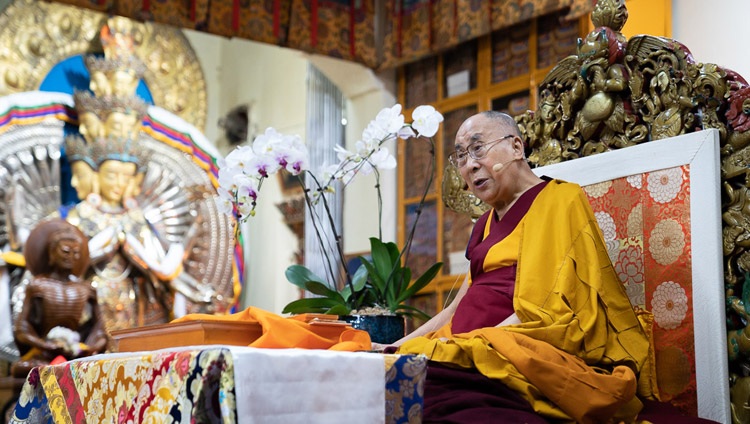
x=382 y=284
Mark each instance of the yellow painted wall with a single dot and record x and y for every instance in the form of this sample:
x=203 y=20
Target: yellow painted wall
x=652 y=17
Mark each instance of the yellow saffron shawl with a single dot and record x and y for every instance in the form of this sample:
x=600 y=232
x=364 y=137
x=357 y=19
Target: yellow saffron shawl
x=580 y=344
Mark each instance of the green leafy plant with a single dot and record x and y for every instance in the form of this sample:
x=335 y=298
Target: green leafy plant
x=383 y=281
x=380 y=280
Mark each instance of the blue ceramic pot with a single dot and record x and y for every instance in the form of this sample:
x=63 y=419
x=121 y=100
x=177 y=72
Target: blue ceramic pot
x=384 y=329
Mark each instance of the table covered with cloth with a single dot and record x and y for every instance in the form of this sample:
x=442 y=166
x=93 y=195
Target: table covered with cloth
x=228 y=384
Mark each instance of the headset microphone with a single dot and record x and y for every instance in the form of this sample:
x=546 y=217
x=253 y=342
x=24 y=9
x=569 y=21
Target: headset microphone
x=499 y=166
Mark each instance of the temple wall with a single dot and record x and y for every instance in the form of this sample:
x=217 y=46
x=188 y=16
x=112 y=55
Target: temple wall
x=239 y=71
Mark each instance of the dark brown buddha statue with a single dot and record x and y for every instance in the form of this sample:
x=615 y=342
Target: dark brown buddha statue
x=60 y=315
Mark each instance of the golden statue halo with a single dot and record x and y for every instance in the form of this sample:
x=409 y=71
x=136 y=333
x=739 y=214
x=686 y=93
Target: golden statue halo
x=35 y=36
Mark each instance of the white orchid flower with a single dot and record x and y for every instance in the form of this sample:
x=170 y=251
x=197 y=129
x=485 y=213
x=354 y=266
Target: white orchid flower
x=342 y=154
x=295 y=141
x=366 y=147
x=239 y=157
x=246 y=209
x=227 y=179
x=375 y=132
x=426 y=120
x=266 y=142
x=224 y=193
x=328 y=172
x=390 y=119
x=297 y=161
x=382 y=159
x=246 y=186
x=225 y=206
x=406 y=132
x=262 y=166
x=346 y=172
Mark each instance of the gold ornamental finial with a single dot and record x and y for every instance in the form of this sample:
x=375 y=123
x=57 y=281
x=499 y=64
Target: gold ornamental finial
x=610 y=13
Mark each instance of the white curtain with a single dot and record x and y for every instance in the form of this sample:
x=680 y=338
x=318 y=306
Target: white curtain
x=325 y=110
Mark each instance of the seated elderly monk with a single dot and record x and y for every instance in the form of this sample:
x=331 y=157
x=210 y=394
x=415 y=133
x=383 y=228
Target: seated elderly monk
x=542 y=328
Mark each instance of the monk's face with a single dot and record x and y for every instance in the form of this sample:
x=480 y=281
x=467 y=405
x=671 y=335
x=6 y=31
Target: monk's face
x=494 y=144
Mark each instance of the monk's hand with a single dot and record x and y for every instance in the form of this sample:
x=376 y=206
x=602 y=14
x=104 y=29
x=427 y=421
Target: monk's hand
x=378 y=347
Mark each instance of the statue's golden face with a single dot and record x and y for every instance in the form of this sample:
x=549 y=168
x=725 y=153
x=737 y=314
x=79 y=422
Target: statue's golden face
x=82 y=179
x=120 y=124
x=114 y=177
x=123 y=83
x=90 y=126
x=99 y=84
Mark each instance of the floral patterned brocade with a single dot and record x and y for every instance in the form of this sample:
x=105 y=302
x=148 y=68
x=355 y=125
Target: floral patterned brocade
x=158 y=388
x=404 y=388
x=645 y=220
x=192 y=385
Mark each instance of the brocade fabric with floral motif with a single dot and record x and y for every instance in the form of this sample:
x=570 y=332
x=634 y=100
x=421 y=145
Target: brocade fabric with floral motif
x=645 y=219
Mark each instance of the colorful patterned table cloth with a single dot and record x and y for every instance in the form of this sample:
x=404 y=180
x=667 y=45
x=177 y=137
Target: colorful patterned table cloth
x=226 y=384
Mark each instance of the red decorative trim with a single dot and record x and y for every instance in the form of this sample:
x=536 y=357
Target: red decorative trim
x=489 y=14
x=352 y=20
x=399 y=26
x=236 y=15
x=429 y=23
x=102 y=2
x=145 y=5
x=455 y=18
x=276 y=18
x=313 y=23
x=192 y=10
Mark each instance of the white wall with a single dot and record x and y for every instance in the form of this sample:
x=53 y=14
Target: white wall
x=273 y=79
x=715 y=32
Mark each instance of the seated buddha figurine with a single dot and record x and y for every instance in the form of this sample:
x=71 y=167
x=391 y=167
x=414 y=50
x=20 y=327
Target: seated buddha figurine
x=60 y=315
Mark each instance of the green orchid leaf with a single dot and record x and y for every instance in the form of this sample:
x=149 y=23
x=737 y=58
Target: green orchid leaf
x=393 y=290
x=360 y=277
x=381 y=258
x=400 y=283
x=393 y=251
x=346 y=293
x=320 y=289
x=375 y=278
x=421 y=282
x=340 y=310
x=412 y=312
x=309 y=305
x=299 y=275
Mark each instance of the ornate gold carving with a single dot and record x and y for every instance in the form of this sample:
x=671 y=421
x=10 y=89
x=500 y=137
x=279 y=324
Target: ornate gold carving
x=457 y=198
x=37 y=35
x=610 y=13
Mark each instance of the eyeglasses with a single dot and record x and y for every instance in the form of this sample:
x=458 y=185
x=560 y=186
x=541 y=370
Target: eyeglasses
x=477 y=150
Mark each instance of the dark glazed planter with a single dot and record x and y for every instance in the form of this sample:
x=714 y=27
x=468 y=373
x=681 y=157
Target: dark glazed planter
x=384 y=329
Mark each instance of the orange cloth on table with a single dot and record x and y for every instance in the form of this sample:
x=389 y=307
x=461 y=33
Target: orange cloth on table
x=280 y=332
